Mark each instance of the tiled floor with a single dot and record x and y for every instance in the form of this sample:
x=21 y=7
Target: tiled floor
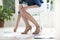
x=8 y=34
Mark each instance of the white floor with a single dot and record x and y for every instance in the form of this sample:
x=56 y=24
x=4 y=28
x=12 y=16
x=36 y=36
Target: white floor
x=8 y=34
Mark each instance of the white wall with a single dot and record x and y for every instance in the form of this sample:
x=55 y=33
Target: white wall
x=0 y=2
x=57 y=19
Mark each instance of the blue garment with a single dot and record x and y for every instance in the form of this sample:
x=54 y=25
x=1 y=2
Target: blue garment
x=32 y=2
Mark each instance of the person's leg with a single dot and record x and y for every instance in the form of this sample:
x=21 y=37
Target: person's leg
x=25 y=20
x=28 y=27
x=28 y=16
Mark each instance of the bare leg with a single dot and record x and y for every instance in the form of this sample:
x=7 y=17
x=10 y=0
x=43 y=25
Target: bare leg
x=18 y=19
x=28 y=16
x=26 y=21
x=28 y=27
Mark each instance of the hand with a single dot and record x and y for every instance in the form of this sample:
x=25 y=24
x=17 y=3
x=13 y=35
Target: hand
x=15 y=29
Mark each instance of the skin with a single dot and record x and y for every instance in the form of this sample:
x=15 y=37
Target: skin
x=26 y=16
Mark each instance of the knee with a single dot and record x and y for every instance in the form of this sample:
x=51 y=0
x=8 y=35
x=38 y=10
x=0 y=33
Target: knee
x=23 y=10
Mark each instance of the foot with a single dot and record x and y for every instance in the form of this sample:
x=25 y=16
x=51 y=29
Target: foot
x=37 y=30
x=26 y=30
